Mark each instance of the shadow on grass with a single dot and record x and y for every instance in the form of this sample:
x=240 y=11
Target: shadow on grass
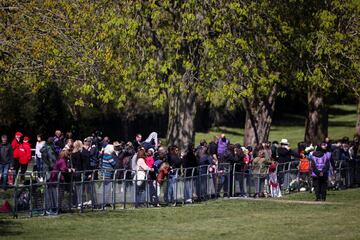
x=289 y=120
x=228 y=131
x=341 y=111
x=10 y=228
x=342 y=124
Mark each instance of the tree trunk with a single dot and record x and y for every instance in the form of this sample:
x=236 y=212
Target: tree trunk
x=182 y=111
x=182 y=101
x=316 y=125
x=357 y=128
x=259 y=114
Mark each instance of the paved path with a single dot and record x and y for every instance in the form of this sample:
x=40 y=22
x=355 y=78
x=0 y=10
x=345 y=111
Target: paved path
x=280 y=200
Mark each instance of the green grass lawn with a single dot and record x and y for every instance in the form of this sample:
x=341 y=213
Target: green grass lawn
x=221 y=219
x=342 y=119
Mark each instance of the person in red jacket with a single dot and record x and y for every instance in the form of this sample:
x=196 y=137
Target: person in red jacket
x=25 y=157
x=15 y=144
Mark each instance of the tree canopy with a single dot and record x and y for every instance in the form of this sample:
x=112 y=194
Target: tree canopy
x=136 y=56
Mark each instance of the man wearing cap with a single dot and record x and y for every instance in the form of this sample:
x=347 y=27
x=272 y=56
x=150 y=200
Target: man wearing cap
x=284 y=154
x=15 y=144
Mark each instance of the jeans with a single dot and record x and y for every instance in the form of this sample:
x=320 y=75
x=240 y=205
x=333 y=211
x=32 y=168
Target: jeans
x=223 y=182
x=4 y=168
x=188 y=188
x=243 y=181
x=172 y=189
x=259 y=184
x=40 y=166
x=51 y=197
x=203 y=185
x=153 y=192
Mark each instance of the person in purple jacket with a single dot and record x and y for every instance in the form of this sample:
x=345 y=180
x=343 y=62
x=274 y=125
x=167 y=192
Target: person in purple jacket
x=223 y=144
x=320 y=164
x=54 y=196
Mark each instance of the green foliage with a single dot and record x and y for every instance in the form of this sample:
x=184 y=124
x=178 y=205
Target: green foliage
x=319 y=35
x=133 y=56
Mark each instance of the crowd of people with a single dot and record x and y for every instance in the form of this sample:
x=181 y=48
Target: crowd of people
x=151 y=160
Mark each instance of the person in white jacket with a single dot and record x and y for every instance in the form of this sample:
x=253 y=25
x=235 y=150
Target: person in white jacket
x=39 y=162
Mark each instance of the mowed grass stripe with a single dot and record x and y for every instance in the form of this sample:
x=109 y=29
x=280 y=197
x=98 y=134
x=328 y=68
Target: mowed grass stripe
x=230 y=219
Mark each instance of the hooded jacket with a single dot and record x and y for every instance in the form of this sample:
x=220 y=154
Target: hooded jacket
x=284 y=155
x=320 y=163
x=16 y=148
x=25 y=153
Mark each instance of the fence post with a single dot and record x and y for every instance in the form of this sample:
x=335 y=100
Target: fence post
x=82 y=192
x=30 y=196
x=192 y=183
x=233 y=179
x=147 y=192
x=135 y=192
x=208 y=179
x=125 y=187
x=45 y=191
x=114 y=190
x=228 y=173
x=92 y=189
x=57 y=192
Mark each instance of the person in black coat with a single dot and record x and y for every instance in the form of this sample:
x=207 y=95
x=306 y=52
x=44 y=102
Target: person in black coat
x=189 y=160
x=190 y=164
x=224 y=182
x=137 y=141
x=175 y=162
x=284 y=156
x=6 y=160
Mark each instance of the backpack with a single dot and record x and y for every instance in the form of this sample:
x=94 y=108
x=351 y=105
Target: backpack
x=304 y=165
x=45 y=156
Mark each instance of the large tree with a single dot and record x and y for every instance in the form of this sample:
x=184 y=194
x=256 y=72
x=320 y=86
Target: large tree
x=83 y=48
x=172 y=35
x=316 y=35
x=249 y=60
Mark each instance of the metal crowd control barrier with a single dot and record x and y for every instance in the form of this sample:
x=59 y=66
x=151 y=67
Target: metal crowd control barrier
x=121 y=188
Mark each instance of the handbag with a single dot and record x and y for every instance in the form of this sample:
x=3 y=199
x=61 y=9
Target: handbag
x=140 y=177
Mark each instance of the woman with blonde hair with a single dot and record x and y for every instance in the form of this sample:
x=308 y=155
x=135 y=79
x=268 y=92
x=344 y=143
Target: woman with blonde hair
x=77 y=162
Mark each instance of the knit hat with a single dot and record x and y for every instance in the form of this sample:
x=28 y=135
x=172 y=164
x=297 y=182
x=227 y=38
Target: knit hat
x=26 y=138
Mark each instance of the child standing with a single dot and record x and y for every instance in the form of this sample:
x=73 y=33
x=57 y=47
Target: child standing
x=25 y=157
x=273 y=182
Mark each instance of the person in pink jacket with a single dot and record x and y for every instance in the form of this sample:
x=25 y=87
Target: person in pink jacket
x=149 y=160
